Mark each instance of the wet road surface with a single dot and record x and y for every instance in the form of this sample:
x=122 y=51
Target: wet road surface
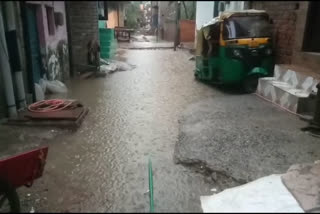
x=243 y=137
x=102 y=167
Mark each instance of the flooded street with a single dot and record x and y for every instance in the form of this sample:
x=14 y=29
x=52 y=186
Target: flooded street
x=157 y=110
x=215 y=95
x=102 y=167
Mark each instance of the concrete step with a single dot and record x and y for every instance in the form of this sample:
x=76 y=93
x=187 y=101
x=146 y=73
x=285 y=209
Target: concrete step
x=289 y=89
x=295 y=78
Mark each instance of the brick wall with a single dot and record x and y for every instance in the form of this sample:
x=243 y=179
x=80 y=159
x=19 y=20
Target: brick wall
x=187 y=30
x=284 y=15
x=83 y=27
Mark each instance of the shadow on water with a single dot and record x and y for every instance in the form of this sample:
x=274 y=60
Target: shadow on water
x=226 y=89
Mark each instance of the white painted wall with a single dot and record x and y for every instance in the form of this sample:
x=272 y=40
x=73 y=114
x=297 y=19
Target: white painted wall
x=205 y=9
x=204 y=12
x=235 y=6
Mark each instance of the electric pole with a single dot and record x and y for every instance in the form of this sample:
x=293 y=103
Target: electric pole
x=177 y=36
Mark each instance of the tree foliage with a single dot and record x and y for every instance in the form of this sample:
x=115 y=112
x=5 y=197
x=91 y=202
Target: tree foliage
x=133 y=13
x=188 y=9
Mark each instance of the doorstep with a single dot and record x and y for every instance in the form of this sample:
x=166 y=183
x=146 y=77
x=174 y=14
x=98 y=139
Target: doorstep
x=292 y=88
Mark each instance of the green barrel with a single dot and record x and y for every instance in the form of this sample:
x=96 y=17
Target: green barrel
x=108 y=44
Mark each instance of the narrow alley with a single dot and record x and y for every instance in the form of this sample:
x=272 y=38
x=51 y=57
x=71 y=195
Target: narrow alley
x=133 y=115
x=212 y=110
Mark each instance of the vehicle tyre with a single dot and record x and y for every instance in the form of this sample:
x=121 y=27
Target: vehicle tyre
x=9 y=199
x=250 y=84
x=196 y=76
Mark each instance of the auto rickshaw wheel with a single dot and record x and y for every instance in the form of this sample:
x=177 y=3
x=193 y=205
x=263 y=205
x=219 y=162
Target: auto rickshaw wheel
x=196 y=75
x=250 y=84
x=9 y=199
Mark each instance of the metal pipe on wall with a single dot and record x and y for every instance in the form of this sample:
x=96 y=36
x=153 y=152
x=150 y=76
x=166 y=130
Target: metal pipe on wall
x=9 y=15
x=6 y=71
x=177 y=33
x=14 y=52
x=20 y=88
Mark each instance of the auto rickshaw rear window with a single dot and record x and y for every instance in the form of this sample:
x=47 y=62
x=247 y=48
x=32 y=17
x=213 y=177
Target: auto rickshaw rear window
x=237 y=27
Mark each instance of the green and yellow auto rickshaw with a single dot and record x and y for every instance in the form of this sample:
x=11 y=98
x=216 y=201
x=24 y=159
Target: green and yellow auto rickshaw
x=235 y=48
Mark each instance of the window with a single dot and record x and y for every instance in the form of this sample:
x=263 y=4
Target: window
x=247 y=27
x=312 y=33
x=58 y=18
x=103 y=10
x=221 y=6
x=50 y=20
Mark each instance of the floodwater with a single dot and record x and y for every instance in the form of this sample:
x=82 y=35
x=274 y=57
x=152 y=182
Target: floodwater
x=103 y=166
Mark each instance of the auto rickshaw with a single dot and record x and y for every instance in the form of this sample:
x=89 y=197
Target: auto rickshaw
x=235 y=48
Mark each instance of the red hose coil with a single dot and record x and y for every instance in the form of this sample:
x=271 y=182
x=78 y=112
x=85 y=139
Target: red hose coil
x=50 y=105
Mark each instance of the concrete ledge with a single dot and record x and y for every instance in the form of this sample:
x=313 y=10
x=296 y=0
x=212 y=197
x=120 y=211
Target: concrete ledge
x=289 y=89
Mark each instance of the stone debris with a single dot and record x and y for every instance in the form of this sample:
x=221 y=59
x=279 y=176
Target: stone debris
x=109 y=65
x=303 y=181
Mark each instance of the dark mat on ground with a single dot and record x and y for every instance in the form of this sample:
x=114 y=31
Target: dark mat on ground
x=61 y=122
x=73 y=114
x=243 y=137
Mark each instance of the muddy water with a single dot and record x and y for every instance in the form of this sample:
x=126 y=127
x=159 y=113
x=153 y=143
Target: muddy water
x=102 y=167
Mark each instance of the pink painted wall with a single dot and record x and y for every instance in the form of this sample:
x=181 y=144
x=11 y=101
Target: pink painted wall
x=60 y=31
x=49 y=43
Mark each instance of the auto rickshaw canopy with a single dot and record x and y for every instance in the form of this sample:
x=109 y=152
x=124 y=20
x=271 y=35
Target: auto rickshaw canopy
x=207 y=30
x=228 y=14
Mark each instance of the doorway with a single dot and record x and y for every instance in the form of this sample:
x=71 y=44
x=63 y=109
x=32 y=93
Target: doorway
x=311 y=41
x=33 y=42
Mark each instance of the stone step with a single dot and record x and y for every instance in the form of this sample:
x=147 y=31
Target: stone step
x=296 y=79
x=289 y=89
x=298 y=92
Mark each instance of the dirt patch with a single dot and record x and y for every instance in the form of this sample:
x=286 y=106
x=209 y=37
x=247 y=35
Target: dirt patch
x=221 y=180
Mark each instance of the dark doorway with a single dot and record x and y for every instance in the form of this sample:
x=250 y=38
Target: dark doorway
x=103 y=10
x=216 y=9
x=34 y=47
x=311 y=41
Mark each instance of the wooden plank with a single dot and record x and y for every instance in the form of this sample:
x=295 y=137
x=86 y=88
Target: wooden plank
x=81 y=117
x=54 y=123
x=86 y=75
x=71 y=114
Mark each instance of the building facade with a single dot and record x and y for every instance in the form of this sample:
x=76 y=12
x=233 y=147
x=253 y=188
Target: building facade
x=83 y=28
x=296 y=31
x=36 y=40
x=46 y=30
x=43 y=34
